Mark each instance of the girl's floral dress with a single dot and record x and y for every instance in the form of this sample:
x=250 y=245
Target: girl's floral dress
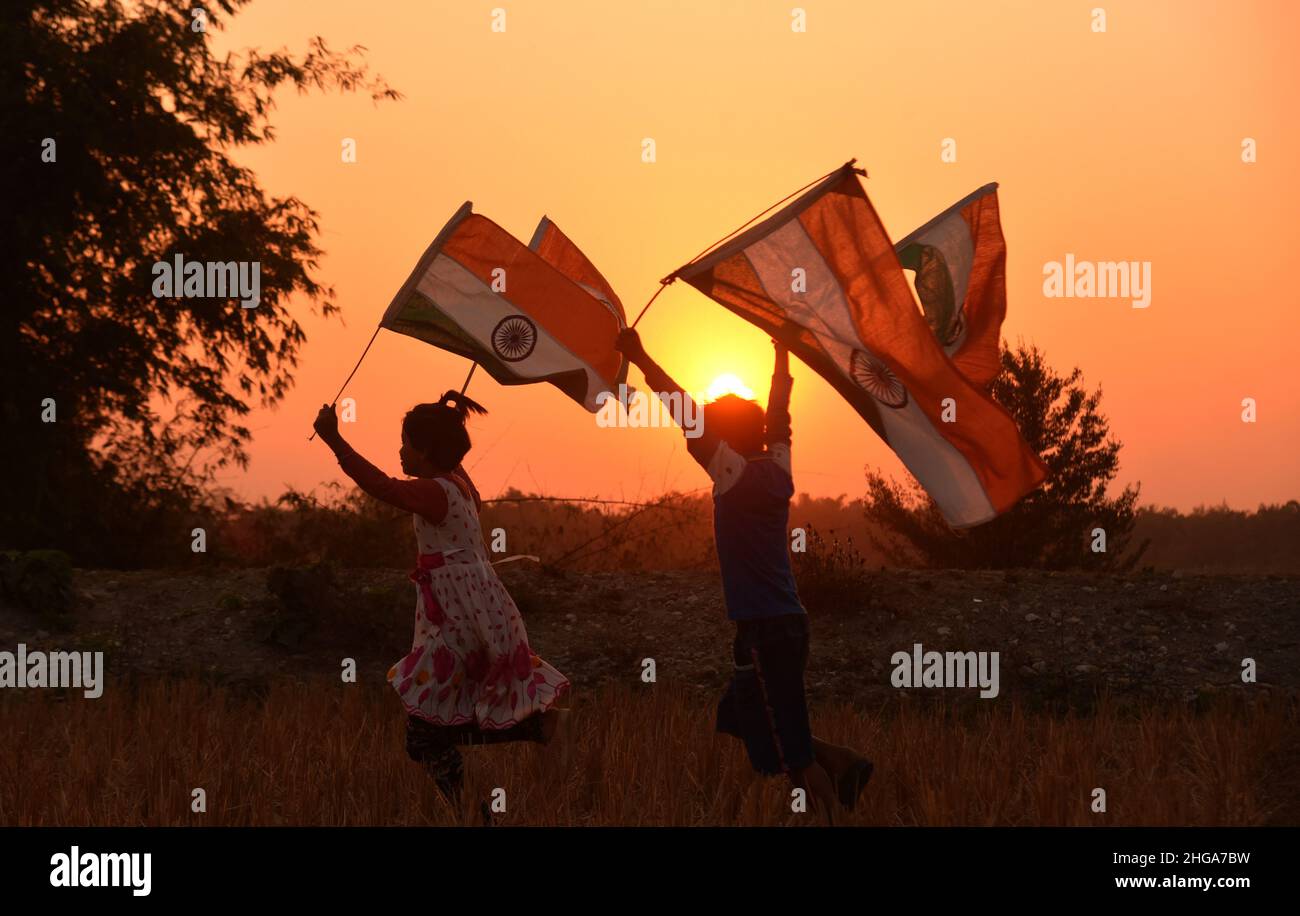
x=470 y=661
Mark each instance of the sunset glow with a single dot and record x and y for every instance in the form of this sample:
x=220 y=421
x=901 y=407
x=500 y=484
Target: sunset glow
x=728 y=383
x=1119 y=149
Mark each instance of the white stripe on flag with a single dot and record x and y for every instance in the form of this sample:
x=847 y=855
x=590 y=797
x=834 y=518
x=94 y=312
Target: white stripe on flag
x=472 y=305
x=952 y=237
x=824 y=310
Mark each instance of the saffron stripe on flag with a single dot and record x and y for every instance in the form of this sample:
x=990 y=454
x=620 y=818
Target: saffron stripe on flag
x=855 y=322
x=479 y=292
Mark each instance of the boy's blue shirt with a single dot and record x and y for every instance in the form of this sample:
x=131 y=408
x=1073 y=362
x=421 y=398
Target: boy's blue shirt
x=751 y=511
x=751 y=530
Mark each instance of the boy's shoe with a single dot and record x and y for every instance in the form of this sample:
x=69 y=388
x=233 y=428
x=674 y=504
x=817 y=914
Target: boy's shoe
x=852 y=781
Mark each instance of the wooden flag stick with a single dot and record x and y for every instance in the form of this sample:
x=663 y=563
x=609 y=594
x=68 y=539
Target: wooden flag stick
x=673 y=276
x=353 y=372
x=663 y=284
x=472 y=367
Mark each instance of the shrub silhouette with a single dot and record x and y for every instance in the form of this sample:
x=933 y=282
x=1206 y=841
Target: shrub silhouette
x=1050 y=528
x=39 y=581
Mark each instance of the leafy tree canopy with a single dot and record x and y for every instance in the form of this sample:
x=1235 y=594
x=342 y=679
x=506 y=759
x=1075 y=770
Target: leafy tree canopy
x=122 y=122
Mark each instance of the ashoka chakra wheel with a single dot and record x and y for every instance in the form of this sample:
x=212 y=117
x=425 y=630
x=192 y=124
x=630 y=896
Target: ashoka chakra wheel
x=514 y=337
x=875 y=377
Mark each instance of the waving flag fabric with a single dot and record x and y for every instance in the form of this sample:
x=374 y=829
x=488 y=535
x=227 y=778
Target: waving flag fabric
x=960 y=261
x=822 y=274
x=524 y=315
x=556 y=249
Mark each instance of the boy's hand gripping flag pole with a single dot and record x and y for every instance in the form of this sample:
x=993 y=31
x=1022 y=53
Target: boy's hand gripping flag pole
x=822 y=276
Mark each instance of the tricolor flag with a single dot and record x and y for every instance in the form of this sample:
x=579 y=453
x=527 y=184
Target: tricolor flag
x=525 y=314
x=556 y=249
x=822 y=275
x=960 y=259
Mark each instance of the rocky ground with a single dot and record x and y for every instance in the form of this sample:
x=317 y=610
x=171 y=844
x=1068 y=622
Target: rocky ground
x=1063 y=639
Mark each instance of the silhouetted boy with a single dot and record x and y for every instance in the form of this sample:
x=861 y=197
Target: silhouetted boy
x=747 y=455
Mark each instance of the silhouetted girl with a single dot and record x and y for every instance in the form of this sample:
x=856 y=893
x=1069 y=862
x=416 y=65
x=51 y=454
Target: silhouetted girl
x=470 y=677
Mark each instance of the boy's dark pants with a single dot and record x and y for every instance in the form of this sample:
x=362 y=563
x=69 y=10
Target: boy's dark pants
x=434 y=747
x=764 y=704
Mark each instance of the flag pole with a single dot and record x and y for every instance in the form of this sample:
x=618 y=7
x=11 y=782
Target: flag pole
x=663 y=285
x=472 y=367
x=673 y=276
x=353 y=372
x=846 y=166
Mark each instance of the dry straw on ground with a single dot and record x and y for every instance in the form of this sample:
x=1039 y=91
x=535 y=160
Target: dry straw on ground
x=332 y=754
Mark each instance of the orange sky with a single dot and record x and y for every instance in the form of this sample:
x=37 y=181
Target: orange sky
x=1117 y=146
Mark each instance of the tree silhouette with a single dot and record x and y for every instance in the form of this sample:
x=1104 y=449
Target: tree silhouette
x=123 y=124
x=1053 y=526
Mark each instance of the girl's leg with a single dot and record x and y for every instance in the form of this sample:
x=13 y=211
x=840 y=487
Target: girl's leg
x=434 y=748
x=552 y=727
x=532 y=728
x=555 y=721
x=448 y=772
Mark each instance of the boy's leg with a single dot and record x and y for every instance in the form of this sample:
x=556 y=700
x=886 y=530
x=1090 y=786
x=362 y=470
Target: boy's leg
x=766 y=707
x=742 y=711
x=814 y=780
x=836 y=760
x=781 y=659
x=848 y=770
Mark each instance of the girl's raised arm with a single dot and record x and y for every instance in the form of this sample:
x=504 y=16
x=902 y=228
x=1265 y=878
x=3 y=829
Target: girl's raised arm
x=422 y=496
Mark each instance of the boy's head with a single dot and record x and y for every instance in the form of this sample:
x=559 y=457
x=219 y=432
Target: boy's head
x=434 y=437
x=738 y=422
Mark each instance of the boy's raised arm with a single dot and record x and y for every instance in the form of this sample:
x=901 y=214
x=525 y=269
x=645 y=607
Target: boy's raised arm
x=778 y=398
x=661 y=383
x=778 y=409
x=629 y=343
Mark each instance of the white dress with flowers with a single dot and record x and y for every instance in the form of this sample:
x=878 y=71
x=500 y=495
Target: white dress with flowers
x=470 y=661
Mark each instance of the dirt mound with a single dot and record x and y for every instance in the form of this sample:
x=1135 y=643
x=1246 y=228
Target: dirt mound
x=1061 y=638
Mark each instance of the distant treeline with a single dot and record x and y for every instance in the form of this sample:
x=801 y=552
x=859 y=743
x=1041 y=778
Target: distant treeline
x=1219 y=539
x=1207 y=539
x=346 y=527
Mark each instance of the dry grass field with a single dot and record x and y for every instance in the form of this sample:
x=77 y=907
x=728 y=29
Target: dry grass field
x=321 y=753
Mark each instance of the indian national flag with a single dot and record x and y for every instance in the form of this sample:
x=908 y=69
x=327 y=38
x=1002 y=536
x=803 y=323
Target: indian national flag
x=822 y=274
x=526 y=314
x=960 y=259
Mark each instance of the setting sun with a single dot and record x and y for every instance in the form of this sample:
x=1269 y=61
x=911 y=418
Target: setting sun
x=727 y=383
